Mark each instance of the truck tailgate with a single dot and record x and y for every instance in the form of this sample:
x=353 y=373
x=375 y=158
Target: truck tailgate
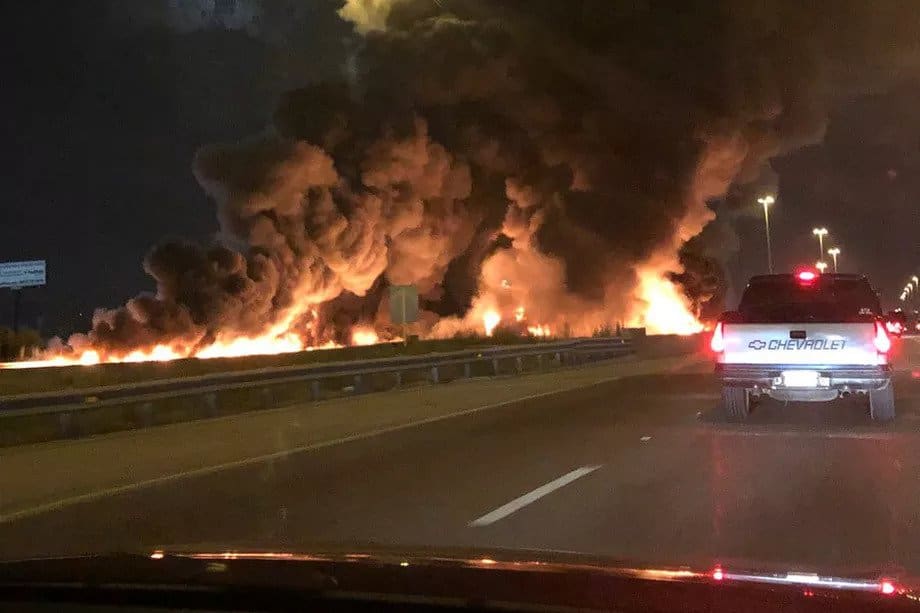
x=811 y=343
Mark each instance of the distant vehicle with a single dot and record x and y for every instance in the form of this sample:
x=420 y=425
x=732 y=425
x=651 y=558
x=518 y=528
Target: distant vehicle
x=805 y=337
x=896 y=323
x=910 y=321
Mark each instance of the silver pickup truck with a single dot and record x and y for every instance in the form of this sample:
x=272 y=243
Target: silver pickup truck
x=804 y=336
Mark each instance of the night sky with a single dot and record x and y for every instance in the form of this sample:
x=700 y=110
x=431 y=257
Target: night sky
x=862 y=183
x=104 y=111
x=102 y=119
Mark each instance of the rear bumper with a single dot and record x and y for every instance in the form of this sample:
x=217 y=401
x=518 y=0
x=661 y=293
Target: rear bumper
x=840 y=377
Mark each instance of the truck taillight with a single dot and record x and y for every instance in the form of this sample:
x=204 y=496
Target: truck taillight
x=881 y=340
x=717 y=343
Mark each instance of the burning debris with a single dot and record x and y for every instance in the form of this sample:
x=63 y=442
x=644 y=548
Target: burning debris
x=533 y=165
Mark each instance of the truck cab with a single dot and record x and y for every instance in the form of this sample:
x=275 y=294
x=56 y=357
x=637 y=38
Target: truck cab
x=805 y=337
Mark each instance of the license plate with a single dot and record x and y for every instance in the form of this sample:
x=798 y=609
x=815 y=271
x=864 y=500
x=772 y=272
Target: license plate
x=800 y=378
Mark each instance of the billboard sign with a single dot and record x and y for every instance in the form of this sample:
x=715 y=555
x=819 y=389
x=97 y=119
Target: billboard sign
x=403 y=304
x=22 y=274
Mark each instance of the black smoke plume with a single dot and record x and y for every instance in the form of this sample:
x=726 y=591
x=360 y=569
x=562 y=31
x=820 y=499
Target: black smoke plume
x=556 y=147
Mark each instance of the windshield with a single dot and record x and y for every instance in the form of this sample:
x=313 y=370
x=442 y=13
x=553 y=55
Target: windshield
x=294 y=274
x=827 y=299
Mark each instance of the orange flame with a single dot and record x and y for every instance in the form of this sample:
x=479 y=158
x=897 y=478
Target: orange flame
x=665 y=310
x=364 y=336
x=490 y=320
x=272 y=343
x=539 y=330
x=660 y=307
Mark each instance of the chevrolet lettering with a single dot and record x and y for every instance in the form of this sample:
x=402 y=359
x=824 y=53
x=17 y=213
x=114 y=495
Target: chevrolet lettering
x=817 y=344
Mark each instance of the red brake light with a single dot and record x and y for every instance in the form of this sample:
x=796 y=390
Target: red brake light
x=886 y=587
x=881 y=340
x=717 y=573
x=717 y=343
x=807 y=276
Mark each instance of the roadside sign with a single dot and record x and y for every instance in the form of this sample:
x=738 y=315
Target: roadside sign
x=403 y=304
x=22 y=274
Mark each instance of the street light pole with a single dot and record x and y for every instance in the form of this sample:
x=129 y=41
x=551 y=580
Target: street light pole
x=820 y=233
x=766 y=201
x=834 y=252
x=822 y=266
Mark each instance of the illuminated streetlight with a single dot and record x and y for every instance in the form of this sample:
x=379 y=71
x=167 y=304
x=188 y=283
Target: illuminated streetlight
x=834 y=252
x=766 y=201
x=820 y=233
x=821 y=266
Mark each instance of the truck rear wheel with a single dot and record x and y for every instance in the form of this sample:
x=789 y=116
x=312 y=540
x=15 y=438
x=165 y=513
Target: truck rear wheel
x=737 y=402
x=881 y=403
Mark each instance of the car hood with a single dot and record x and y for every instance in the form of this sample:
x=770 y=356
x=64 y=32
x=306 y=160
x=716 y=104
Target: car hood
x=462 y=575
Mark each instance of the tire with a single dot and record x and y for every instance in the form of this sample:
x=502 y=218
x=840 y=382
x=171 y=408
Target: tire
x=881 y=403
x=737 y=402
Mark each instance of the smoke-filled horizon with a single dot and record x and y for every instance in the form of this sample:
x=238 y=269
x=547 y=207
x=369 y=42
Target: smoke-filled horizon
x=545 y=156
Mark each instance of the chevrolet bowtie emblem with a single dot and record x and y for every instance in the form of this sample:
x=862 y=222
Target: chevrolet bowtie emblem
x=757 y=345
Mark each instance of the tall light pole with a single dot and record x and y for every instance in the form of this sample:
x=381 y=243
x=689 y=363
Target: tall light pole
x=834 y=252
x=820 y=233
x=766 y=201
x=822 y=266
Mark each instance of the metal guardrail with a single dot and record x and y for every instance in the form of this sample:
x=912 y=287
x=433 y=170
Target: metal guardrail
x=68 y=403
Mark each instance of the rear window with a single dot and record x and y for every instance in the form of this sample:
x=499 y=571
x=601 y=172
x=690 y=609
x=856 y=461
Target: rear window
x=784 y=299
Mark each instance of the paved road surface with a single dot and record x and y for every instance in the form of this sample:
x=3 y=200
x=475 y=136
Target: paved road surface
x=640 y=468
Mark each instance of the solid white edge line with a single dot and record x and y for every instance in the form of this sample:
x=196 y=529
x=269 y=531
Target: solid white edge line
x=111 y=491
x=522 y=501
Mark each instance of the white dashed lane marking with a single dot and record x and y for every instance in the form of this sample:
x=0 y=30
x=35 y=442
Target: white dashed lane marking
x=522 y=501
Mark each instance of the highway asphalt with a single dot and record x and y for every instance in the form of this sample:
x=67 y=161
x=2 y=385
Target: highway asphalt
x=643 y=468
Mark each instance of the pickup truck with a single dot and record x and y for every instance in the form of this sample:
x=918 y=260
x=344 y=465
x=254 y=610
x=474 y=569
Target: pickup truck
x=804 y=337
